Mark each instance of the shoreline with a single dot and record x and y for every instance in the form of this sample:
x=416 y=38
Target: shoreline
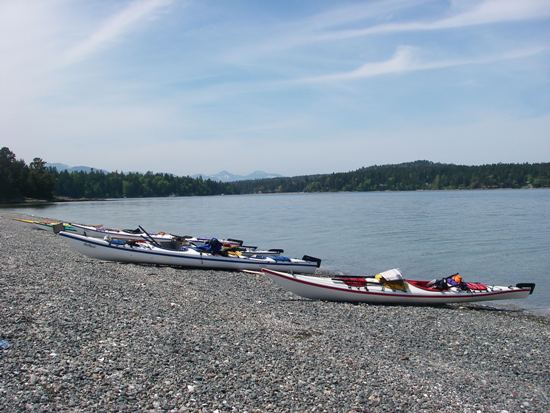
x=40 y=202
x=89 y=335
x=44 y=202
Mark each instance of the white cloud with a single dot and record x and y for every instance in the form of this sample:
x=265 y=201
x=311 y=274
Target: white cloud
x=115 y=27
x=35 y=39
x=485 y=12
x=315 y=28
x=406 y=59
x=324 y=26
x=357 y=12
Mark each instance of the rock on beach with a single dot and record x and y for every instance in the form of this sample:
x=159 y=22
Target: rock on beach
x=86 y=335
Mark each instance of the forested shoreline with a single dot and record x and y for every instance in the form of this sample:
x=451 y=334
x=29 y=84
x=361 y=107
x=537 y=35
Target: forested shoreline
x=19 y=181
x=411 y=176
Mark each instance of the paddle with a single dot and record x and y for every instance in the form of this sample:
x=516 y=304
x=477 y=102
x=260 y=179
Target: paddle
x=150 y=237
x=238 y=241
x=250 y=250
x=351 y=276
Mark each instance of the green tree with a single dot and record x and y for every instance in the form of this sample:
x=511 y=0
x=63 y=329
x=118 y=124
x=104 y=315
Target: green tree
x=40 y=180
x=12 y=176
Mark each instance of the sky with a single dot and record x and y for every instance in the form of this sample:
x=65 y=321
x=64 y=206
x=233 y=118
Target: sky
x=291 y=87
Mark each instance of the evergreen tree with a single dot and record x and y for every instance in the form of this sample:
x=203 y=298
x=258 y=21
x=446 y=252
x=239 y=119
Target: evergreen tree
x=12 y=176
x=40 y=180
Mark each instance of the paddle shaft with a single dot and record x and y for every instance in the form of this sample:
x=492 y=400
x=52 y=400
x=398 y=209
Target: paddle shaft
x=150 y=237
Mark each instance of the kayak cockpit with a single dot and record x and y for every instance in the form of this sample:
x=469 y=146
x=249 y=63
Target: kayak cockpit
x=428 y=285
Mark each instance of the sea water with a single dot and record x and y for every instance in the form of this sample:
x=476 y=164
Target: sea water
x=493 y=236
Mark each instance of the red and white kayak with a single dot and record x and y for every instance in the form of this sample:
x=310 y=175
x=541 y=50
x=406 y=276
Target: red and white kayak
x=370 y=290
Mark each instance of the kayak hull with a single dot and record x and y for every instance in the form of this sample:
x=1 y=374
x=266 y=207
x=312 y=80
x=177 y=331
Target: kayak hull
x=148 y=254
x=333 y=289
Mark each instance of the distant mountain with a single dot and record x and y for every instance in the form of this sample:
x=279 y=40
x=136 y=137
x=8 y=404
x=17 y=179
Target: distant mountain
x=62 y=167
x=225 y=176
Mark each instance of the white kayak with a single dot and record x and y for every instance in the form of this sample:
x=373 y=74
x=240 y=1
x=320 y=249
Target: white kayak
x=147 y=253
x=370 y=290
x=99 y=231
x=164 y=238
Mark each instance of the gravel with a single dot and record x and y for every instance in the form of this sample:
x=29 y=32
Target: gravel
x=86 y=335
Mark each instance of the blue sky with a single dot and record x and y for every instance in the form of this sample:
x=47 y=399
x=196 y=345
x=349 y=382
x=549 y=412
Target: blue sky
x=293 y=87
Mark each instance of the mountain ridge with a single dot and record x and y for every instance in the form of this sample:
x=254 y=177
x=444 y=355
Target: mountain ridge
x=61 y=167
x=222 y=176
x=226 y=176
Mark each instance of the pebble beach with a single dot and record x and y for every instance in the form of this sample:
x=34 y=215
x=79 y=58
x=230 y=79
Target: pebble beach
x=85 y=335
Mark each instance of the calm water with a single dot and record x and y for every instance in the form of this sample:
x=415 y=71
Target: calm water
x=497 y=236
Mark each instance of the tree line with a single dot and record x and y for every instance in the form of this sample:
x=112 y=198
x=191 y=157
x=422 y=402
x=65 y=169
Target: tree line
x=19 y=181
x=418 y=175
x=97 y=184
